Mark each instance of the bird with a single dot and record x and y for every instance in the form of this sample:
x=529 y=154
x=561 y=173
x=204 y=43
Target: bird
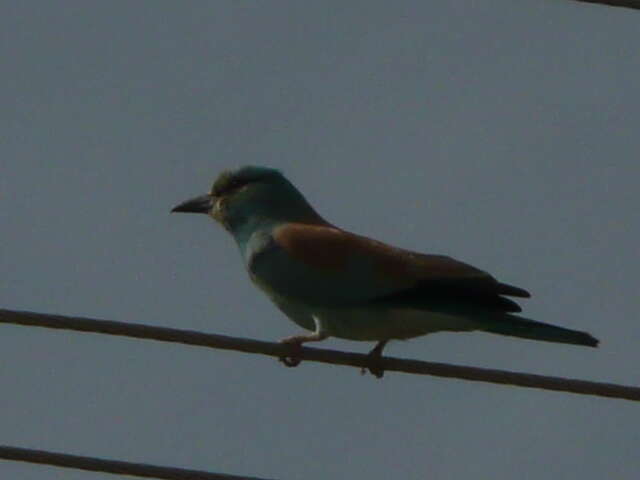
x=334 y=283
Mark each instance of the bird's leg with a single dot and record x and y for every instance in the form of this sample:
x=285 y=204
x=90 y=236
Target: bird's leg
x=295 y=343
x=374 y=360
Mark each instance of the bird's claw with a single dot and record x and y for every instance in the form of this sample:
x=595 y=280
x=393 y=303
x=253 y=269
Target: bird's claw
x=374 y=363
x=293 y=358
x=377 y=372
x=290 y=361
x=374 y=368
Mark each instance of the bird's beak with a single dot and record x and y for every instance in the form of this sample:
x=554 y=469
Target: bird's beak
x=201 y=204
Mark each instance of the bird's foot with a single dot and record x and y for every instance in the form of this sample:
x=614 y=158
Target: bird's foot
x=294 y=342
x=293 y=356
x=374 y=366
x=374 y=361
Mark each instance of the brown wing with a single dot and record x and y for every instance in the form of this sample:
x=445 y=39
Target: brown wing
x=397 y=274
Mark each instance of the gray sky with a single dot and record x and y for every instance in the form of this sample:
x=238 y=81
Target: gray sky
x=502 y=133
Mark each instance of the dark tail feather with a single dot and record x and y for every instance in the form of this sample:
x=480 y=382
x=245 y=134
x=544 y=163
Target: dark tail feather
x=525 y=328
x=512 y=291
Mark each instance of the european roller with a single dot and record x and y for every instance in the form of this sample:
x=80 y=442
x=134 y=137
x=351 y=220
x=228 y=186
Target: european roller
x=335 y=283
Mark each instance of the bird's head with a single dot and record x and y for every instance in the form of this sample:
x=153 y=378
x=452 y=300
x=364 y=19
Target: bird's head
x=251 y=197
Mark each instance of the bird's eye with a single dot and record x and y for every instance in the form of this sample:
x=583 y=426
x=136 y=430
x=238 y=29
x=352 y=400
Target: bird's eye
x=228 y=186
x=233 y=186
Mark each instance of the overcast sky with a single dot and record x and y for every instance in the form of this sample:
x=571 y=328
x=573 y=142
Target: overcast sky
x=502 y=133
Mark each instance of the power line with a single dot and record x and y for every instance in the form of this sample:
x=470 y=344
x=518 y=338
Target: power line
x=334 y=357
x=634 y=4
x=111 y=466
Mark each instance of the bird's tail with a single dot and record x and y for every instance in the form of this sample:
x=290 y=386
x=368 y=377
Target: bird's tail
x=523 y=327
